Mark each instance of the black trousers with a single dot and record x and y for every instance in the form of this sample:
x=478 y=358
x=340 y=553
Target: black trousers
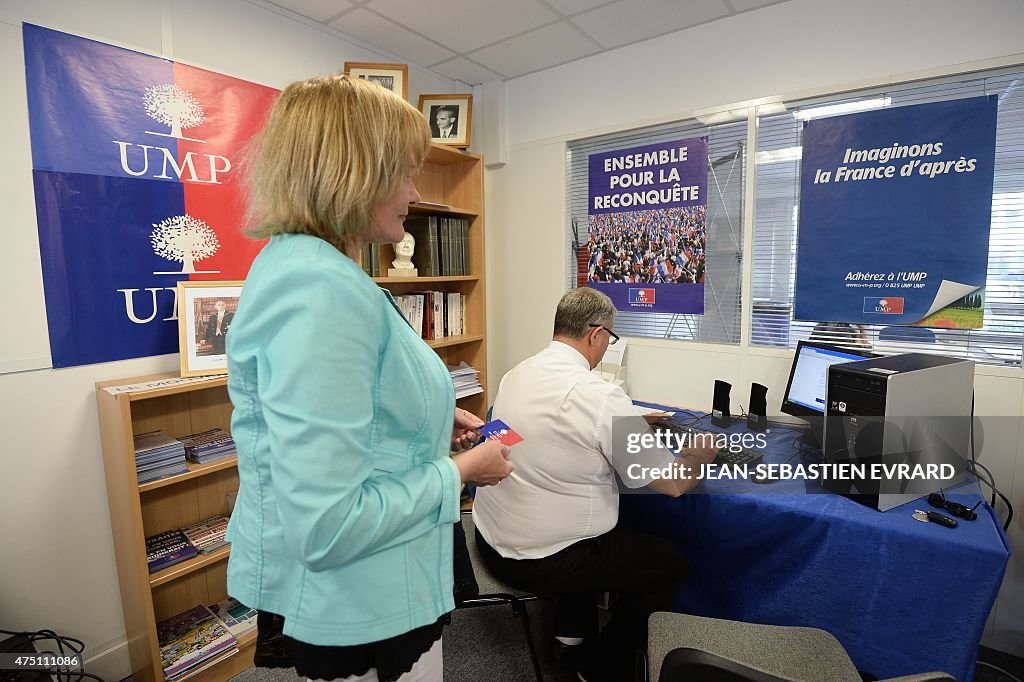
x=645 y=571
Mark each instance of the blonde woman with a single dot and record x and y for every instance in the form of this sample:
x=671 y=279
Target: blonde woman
x=344 y=418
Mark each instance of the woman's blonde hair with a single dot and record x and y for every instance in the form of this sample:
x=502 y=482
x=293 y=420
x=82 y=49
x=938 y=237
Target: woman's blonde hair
x=333 y=148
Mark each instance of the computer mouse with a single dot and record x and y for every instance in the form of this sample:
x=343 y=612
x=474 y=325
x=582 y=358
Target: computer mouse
x=758 y=477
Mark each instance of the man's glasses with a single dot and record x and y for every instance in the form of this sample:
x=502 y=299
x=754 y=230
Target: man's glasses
x=613 y=338
x=955 y=508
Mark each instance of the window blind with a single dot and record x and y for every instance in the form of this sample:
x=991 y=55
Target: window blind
x=724 y=243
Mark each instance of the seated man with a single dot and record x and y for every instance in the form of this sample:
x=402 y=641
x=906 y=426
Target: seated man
x=550 y=527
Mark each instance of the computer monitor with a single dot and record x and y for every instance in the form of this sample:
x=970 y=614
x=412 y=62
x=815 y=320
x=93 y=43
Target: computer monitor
x=805 y=391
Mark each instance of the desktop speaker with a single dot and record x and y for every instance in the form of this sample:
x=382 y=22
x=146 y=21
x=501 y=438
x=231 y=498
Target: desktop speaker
x=757 y=411
x=720 y=415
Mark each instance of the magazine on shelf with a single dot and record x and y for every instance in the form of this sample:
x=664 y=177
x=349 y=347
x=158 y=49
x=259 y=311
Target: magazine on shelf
x=168 y=548
x=202 y=665
x=154 y=440
x=238 y=618
x=207 y=536
x=209 y=446
x=190 y=638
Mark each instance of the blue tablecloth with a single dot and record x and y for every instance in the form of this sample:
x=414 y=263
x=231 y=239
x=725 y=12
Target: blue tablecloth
x=902 y=596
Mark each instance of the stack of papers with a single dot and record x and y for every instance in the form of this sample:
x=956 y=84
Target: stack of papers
x=209 y=446
x=465 y=380
x=158 y=455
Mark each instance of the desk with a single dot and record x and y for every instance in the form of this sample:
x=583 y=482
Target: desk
x=902 y=596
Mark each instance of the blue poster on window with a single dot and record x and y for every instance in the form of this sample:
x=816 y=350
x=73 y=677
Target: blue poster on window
x=895 y=209
x=646 y=211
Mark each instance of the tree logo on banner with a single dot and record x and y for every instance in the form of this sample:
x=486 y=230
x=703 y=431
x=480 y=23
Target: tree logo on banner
x=173 y=106
x=184 y=239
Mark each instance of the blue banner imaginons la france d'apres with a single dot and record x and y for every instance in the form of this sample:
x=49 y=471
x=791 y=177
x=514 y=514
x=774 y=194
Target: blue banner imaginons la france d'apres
x=895 y=210
x=647 y=211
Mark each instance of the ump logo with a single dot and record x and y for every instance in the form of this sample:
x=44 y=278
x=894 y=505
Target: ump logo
x=643 y=298
x=890 y=305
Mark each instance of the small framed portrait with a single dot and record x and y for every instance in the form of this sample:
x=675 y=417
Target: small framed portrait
x=205 y=313
x=450 y=118
x=394 y=77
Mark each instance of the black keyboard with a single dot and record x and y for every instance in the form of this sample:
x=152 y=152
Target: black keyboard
x=726 y=456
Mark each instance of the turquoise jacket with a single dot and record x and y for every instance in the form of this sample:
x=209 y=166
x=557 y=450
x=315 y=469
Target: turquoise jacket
x=342 y=418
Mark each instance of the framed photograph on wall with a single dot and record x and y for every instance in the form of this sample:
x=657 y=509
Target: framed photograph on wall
x=394 y=77
x=205 y=312
x=450 y=118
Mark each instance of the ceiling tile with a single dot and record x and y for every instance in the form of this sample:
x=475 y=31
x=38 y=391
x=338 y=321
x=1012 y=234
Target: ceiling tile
x=630 y=21
x=570 y=7
x=318 y=10
x=464 y=70
x=744 y=5
x=464 y=25
x=385 y=34
x=548 y=46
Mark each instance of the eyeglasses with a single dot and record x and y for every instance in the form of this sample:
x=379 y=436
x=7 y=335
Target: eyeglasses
x=613 y=338
x=955 y=508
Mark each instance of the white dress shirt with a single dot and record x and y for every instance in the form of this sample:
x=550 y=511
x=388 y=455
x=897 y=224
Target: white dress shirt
x=562 y=489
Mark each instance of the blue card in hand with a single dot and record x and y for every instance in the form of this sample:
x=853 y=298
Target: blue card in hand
x=500 y=431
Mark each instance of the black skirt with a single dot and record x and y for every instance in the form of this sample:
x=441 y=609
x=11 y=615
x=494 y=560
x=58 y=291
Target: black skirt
x=391 y=657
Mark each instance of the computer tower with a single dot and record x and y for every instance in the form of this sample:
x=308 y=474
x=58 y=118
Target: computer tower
x=909 y=409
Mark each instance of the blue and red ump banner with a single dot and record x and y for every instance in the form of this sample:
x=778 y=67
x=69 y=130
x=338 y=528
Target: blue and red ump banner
x=136 y=165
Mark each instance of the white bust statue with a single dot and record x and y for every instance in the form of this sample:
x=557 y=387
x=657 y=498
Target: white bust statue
x=403 y=252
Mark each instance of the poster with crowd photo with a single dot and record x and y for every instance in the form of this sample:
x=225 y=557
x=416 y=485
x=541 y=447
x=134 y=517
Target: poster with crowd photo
x=135 y=167
x=895 y=210
x=647 y=209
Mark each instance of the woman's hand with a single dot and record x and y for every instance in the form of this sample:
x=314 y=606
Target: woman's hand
x=464 y=430
x=486 y=464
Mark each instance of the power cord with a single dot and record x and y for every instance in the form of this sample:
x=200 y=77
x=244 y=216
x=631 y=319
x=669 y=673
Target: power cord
x=991 y=482
x=73 y=646
x=1000 y=671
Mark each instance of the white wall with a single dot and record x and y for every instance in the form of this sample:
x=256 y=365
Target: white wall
x=57 y=566
x=799 y=48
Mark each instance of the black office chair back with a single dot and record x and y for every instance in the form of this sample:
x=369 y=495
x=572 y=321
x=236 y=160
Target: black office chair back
x=684 y=664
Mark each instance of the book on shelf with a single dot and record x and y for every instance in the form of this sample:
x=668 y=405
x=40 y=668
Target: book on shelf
x=370 y=258
x=434 y=314
x=207 y=536
x=168 y=548
x=190 y=639
x=238 y=618
x=442 y=248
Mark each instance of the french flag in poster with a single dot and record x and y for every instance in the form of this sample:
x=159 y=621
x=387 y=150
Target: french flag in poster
x=137 y=186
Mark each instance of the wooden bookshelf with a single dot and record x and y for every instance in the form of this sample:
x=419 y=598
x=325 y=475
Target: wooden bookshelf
x=451 y=184
x=140 y=510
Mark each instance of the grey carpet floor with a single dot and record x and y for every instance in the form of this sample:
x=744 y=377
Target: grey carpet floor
x=486 y=645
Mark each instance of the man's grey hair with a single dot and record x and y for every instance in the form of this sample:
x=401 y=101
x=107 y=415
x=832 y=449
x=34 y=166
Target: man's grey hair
x=581 y=308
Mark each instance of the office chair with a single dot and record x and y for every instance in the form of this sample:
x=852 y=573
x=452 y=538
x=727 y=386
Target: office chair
x=493 y=591
x=684 y=647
